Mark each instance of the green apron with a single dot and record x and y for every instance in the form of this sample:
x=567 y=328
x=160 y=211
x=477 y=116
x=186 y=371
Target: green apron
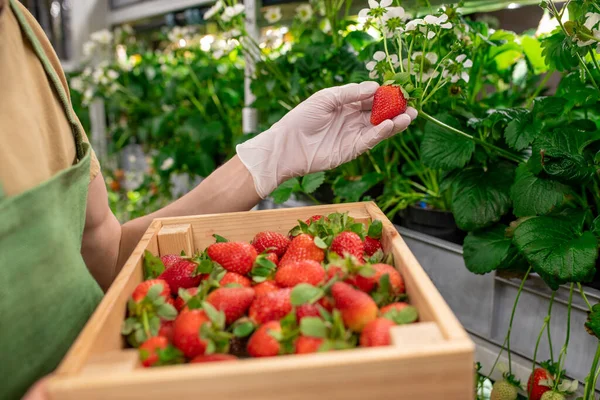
x=46 y=292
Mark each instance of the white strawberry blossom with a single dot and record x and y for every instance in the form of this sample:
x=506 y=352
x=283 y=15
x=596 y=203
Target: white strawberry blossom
x=427 y=61
x=231 y=12
x=304 y=12
x=455 y=69
x=380 y=62
x=103 y=36
x=77 y=84
x=273 y=14
x=392 y=20
x=168 y=163
x=591 y=23
x=376 y=9
x=213 y=10
x=88 y=48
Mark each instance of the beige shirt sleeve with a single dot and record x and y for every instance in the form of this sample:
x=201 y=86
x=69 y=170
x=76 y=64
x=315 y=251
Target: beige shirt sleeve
x=37 y=140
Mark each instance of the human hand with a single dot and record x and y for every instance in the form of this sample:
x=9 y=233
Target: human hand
x=37 y=391
x=328 y=129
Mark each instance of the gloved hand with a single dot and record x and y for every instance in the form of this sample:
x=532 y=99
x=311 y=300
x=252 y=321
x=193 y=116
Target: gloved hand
x=328 y=129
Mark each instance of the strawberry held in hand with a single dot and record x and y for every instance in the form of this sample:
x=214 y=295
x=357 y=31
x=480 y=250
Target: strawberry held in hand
x=388 y=103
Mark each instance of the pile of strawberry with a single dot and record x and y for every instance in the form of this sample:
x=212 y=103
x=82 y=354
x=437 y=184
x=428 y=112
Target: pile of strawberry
x=325 y=286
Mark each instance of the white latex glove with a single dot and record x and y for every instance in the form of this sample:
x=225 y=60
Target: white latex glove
x=328 y=129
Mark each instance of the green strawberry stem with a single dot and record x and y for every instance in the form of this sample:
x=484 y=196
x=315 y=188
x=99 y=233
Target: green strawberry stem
x=563 y=352
x=590 y=380
x=539 y=338
x=501 y=152
x=146 y=324
x=584 y=296
x=512 y=317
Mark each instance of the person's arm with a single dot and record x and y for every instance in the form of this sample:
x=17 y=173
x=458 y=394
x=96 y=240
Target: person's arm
x=107 y=245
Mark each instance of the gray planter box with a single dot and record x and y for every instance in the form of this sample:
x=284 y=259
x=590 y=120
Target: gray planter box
x=483 y=304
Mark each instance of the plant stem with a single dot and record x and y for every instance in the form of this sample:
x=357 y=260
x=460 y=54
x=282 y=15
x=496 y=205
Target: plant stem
x=512 y=317
x=503 y=153
x=591 y=378
x=146 y=324
x=548 y=327
x=539 y=338
x=593 y=56
x=375 y=166
x=584 y=65
x=563 y=352
x=584 y=296
x=539 y=88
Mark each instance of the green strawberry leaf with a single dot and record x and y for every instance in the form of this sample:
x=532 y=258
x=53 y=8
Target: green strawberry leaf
x=129 y=325
x=312 y=182
x=326 y=315
x=592 y=324
x=169 y=356
x=139 y=337
x=285 y=190
x=383 y=294
x=204 y=267
x=154 y=325
x=154 y=292
x=153 y=266
x=243 y=328
x=211 y=347
x=596 y=227
x=488 y=249
x=167 y=312
x=534 y=195
x=375 y=229
x=217 y=317
x=407 y=315
x=359 y=229
x=558 y=249
x=305 y=293
x=366 y=271
x=442 y=149
x=313 y=326
x=320 y=243
x=480 y=198
x=182 y=254
x=521 y=131
x=220 y=239
x=266 y=263
x=546 y=107
x=557 y=50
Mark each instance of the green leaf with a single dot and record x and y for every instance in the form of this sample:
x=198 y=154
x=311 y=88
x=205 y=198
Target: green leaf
x=521 y=131
x=305 y=293
x=312 y=182
x=313 y=326
x=204 y=267
x=442 y=149
x=488 y=249
x=167 y=312
x=217 y=317
x=407 y=315
x=353 y=190
x=285 y=190
x=366 y=271
x=557 y=51
x=375 y=229
x=557 y=248
x=533 y=51
x=544 y=107
x=592 y=324
x=153 y=266
x=480 y=198
x=533 y=195
x=155 y=291
x=320 y=243
x=220 y=239
x=129 y=325
x=596 y=227
x=243 y=329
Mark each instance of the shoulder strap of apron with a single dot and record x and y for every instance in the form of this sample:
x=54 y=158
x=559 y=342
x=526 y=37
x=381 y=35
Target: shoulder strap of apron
x=53 y=76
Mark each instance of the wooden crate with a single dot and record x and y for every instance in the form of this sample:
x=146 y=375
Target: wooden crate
x=431 y=359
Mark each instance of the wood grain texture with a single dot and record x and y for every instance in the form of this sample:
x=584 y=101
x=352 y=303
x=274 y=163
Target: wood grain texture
x=429 y=360
x=173 y=239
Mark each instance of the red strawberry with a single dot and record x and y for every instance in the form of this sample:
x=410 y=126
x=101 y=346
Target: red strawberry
x=181 y=275
x=376 y=333
x=213 y=358
x=233 y=301
x=170 y=259
x=186 y=332
x=394 y=306
x=367 y=284
x=307 y=310
x=305 y=271
x=302 y=247
x=348 y=243
x=262 y=343
x=271 y=306
x=235 y=257
x=372 y=246
x=307 y=344
x=141 y=290
x=273 y=258
x=388 y=103
x=232 y=277
x=265 y=287
x=534 y=388
x=180 y=303
x=335 y=271
x=271 y=242
x=149 y=350
x=327 y=303
x=166 y=330
x=357 y=308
